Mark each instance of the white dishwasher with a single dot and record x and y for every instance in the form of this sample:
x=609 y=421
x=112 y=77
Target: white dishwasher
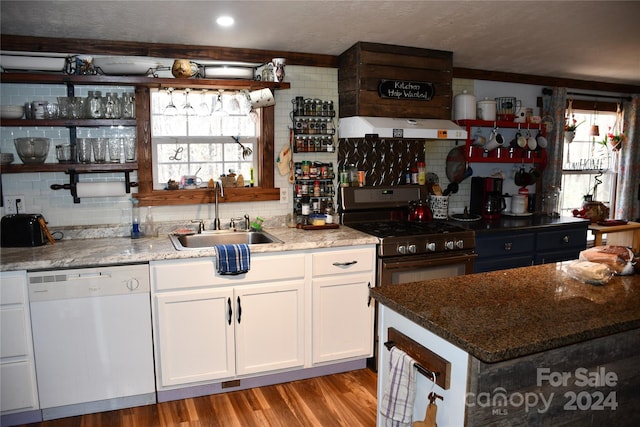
x=92 y=339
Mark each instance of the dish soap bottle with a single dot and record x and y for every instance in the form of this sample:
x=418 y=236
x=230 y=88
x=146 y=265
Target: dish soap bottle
x=135 y=220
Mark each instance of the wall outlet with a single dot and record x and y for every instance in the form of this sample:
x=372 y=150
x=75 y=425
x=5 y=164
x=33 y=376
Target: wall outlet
x=284 y=195
x=13 y=204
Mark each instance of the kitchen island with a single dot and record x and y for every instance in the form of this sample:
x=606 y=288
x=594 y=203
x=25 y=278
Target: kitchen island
x=526 y=346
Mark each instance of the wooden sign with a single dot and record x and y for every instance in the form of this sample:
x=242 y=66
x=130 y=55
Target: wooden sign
x=407 y=90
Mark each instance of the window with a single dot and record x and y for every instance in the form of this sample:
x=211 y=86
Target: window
x=588 y=164
x=202 y=132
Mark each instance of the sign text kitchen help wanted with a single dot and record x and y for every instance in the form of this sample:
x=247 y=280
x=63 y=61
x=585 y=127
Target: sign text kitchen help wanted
x=402 y=89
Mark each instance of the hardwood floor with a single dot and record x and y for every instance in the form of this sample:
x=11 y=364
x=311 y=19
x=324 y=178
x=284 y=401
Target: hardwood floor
x=347 y=399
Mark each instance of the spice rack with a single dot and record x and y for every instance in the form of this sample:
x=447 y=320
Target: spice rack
x=313 y=125
x=313 y=180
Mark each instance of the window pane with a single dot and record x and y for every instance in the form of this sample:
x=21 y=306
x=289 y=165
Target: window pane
x=195 y=130
x=587 y=162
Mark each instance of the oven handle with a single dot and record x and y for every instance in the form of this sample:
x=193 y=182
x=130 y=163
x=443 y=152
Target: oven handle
x=418 y=262
x=344 y=264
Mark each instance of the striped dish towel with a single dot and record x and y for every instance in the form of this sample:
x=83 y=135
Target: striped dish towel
x=232 y=259
x=396 y=406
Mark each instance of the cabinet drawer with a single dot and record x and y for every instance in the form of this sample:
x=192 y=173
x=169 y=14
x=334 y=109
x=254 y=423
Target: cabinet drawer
x=201 y=272
x=341 y=261
x=505 y=245
x=267 y=267
x=175 y=274
x=556 y=240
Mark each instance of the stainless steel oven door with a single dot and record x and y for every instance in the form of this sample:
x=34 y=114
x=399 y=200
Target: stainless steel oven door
x=397 y=270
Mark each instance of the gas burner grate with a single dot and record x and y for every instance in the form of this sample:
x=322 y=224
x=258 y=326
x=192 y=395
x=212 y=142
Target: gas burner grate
x=386 y=229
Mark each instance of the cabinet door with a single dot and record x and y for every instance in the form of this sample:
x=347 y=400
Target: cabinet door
x=17 y=369
x=269 y=326
x=342 y=317
x=195 y=336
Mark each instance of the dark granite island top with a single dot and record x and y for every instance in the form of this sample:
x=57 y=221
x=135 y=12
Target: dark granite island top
x=506 y=314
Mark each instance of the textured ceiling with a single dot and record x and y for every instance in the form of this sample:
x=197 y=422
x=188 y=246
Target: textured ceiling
x=598 y=40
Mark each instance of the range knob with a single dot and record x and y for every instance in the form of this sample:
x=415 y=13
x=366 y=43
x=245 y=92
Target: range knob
x=412 y=248
x=402 y=249
x=431 y=247
x=460 y=244
x=449 y=245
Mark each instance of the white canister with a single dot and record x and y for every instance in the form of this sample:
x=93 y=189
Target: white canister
x=519 y=203
x=487 y=109
x=464 y=106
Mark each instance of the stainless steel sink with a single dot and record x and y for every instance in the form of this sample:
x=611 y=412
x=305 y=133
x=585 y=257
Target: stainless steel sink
x=210 y=239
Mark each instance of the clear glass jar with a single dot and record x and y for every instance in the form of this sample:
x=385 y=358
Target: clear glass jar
x=94 y=105
x=129 y=105
x=112 y=106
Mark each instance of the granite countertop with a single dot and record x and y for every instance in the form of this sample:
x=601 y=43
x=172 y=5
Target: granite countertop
x=505 y=314
x=521 y=223
x=120 y=250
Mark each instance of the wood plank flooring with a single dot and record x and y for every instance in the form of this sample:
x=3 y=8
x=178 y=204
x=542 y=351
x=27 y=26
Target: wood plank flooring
x=347 y=399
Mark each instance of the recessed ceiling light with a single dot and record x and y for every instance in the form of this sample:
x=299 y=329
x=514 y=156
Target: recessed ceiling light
x=225 y=21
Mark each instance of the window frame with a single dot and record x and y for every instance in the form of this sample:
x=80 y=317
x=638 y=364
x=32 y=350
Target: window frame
x=611 y=172
x=264 y=152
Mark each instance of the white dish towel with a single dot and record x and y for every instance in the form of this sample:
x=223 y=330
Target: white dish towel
x=396 y=406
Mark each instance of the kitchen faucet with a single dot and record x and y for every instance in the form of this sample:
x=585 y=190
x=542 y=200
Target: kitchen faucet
x=216 y=221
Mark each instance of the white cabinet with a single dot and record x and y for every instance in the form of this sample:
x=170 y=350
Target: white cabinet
x=211 y=327
x=342 y=309
x=17 y=370
x=194 y=336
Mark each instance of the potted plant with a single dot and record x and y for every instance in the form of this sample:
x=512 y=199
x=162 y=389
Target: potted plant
x=615 y=139
x=570 y=126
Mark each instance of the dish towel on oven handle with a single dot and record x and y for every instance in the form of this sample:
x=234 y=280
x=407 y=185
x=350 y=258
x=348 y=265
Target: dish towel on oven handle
x=396 y=406
x=232 y=259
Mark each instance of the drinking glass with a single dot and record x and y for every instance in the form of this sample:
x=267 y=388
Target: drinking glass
x=170 y=109
x=187 y=108
x=115 y=149
x=130 y=149
x=100 y=149
x=84 y=150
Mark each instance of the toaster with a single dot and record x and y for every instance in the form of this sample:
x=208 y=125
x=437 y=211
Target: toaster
x=22 y=230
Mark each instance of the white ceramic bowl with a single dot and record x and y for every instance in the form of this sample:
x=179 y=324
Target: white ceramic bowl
x=11 y=111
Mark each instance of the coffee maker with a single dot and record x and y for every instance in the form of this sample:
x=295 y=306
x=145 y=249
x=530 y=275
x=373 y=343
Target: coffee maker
x=486 y=197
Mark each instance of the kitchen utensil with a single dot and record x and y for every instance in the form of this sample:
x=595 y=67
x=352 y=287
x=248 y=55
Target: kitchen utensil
x=419 y=211
x=11 y=111
x=278 y=68
x=506 y=108
x=495 y=140
x=522 y=178
x=83 y=147
x=66 y=153
x=22 y=230
x=439 y=206
x=486 y=109
x=464 y=106
x=532 y=144
x=6 y=158
x=184 y=69
x=46 y=231
x=123 y=65
x=32 y=150
x=246 y=151
x=541 y=140
x=457 y=169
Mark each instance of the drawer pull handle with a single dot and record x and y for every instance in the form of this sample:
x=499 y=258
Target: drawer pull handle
x=565 y=239
x=230 y=311
x=507 y=246
x=239 y=313
x=344 y=264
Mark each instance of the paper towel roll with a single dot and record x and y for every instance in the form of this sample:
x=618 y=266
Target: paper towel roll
x=100 y=189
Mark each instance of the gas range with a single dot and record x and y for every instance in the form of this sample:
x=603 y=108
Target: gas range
x=383 y=212
x=409 y=238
